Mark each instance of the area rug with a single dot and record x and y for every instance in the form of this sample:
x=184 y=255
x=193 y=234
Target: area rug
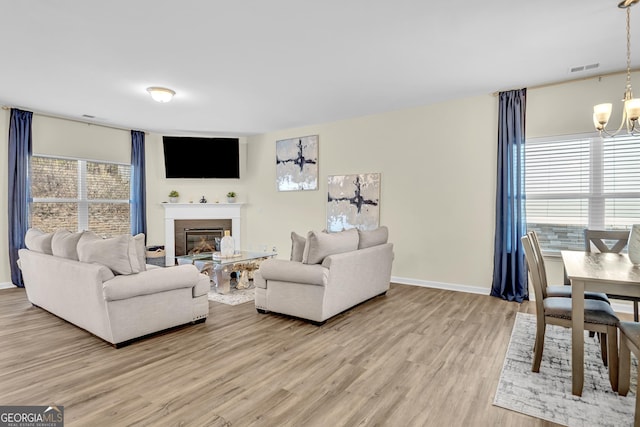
x=547 y=394
x=236 y=297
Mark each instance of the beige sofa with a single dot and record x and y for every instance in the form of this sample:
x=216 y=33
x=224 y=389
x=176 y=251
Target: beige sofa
x=115 y=306
x=328 y=273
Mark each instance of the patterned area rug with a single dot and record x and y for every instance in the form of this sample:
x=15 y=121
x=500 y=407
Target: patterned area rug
x=547 y=394
x=236 y=297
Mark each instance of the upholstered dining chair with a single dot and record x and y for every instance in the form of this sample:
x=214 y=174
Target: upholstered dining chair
x=629 y=342
x=560 y=291
x=612 y=241
x=598 y=315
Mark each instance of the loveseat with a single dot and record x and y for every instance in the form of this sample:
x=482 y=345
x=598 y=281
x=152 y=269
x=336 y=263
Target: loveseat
x=327 y=274
x=104 y=286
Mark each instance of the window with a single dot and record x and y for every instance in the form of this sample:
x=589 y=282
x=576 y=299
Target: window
x=80 y=195
x=574 y=182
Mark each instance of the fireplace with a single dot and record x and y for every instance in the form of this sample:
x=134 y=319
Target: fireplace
x=198 y=240
x=197 y=215
x=198 y=235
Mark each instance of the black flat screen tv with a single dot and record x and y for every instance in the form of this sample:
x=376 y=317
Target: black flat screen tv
x=187 y=157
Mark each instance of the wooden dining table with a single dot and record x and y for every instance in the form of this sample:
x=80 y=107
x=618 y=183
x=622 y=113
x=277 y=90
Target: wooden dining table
x=594 y=271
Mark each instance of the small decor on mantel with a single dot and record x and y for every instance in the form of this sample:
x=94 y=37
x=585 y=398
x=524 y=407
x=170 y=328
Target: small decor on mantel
x=203 y=200
x=173 y=196
x=231 y=197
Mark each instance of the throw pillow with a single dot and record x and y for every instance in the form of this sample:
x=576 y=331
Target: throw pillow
x=38 y=241
x=113 y=252
x=369 y=238
x=141 y=251
x=64 y=244
x=297 y=246
x=321 y=245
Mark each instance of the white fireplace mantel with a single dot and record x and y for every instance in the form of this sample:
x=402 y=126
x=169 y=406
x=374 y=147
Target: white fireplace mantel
x=176 y=211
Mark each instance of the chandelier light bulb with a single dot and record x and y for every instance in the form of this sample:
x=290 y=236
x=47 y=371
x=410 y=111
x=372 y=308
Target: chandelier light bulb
x=631 y=108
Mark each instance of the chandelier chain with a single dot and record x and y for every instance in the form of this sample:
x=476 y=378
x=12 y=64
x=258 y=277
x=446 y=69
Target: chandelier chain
x=628 y=48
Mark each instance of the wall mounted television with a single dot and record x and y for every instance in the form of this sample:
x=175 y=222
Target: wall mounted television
x=188 y=157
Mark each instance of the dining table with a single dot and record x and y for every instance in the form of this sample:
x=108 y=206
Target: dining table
x=601 y=272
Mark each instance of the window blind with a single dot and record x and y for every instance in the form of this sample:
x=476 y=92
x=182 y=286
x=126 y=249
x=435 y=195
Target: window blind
x=576 y=182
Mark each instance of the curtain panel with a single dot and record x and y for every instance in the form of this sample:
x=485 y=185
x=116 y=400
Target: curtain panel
x=138 y=184
x=510 y=280
x=19 y=191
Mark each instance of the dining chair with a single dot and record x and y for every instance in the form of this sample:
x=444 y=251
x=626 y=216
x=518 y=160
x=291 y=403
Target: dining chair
x=560 y=291
x=612 y=241
x=629 y=342
x=598 y=315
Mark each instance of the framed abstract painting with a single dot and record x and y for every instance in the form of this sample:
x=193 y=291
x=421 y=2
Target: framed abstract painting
x=297 y=163
x=353 y=202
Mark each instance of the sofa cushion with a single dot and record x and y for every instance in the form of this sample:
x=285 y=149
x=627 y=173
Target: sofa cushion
x=38 y=241
x=297 y=246
x=151 y=282
x=115 y=252
x=294 y=272
x=321 y=245
x=64 y=244
x=369 y=238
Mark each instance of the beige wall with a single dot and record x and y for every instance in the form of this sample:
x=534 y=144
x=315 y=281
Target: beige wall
x=437 y=195
x=191 y=190
x=75 y=139
x=438 y=176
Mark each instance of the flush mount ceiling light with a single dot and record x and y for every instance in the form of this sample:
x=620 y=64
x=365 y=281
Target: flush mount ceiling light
x=160 y=94
x=631 y=110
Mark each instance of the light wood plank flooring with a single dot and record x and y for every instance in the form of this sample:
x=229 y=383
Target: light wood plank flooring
x=416 y=357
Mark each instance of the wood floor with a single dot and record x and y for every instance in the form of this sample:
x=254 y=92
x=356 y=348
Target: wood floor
x=416 y=357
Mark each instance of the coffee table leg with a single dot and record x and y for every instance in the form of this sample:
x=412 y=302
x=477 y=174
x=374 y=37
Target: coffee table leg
x=222 y=279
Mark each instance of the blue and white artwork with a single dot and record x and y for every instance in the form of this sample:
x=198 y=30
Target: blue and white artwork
x=353 y=202
x=297 y=163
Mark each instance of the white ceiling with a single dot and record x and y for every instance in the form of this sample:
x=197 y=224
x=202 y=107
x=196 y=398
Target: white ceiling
x=251 y=66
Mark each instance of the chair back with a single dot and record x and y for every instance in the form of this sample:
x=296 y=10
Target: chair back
x=538 y=281
x=535 y=243
x=612 y=241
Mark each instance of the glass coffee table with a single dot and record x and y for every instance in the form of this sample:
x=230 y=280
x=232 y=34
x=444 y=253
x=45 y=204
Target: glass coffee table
x=219 y=269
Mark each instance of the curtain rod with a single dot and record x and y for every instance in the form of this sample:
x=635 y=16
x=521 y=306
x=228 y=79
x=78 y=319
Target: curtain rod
x=53 y=116
x=545 y=85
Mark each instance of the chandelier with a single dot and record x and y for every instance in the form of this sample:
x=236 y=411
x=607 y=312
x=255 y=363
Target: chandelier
x=631 y=110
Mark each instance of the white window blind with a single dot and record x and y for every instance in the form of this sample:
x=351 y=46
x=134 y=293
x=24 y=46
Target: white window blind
x=576 y=182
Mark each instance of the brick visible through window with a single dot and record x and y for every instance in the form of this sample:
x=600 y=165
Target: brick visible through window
x=78 y=194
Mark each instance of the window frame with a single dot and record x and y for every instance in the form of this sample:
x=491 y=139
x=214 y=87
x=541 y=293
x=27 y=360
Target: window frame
x=596 y=196
x=82 y=201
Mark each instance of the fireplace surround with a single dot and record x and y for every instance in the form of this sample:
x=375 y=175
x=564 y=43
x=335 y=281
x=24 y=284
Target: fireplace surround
x=181 y=216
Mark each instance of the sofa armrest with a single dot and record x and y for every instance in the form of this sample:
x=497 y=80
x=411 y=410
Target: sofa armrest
x=293 y=271
x=372 y=264
x=151 y=282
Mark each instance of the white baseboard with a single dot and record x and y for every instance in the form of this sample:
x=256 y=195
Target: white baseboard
x=618 y=307
x=7 y=285
x=437 y=285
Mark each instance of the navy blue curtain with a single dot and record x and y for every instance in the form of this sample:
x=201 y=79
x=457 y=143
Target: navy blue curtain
x=19 y=192
x=138 y=191
x=509 y=267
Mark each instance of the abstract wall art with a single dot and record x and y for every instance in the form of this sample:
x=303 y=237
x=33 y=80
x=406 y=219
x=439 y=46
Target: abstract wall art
x=297 y=163
x=353 y=202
